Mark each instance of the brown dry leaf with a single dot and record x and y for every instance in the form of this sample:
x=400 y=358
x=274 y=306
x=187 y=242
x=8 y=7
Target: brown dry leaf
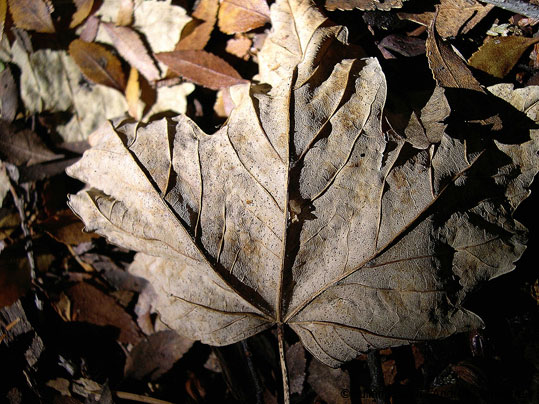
x=242 y=15
x=156 y=355
x=97 y=64
x=14 y=274
x=3 y=12
x=83 y=10
x=332 y=385
x=128 y=44
x=9 y=222
x=301 y=211
x=448 y=69
x=23 y=147
x=295 y=363
x=65 y=228
x=202 y=68
x=454 y=16
x=196 y=33
x=239 y=47
x=9 y=95
x=497 y=56
x=32 y=15
x=385 y=5
x=91 y=305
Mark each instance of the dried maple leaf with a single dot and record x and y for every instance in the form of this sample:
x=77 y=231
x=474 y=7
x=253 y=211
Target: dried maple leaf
x=301 y=211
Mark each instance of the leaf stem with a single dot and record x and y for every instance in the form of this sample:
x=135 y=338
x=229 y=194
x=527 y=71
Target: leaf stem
x=286 y=389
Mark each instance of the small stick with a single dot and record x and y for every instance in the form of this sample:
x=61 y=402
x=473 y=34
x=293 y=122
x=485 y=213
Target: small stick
x=516 y=6
x=141 y=399
x=280 y=339
x=377 y=377
x=254 y=375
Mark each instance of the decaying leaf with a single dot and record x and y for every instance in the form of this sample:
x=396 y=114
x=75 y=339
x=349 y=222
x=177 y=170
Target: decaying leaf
x=295 y=363
x=83 y=10
x=65 y=228
x=9 y=95
x=454 y=16
x=23 y=147
x=301 y=211
x=90 y=305
x=33 y=15
x=14 y=274
x=129 y=44
x=98 y=64
x=363 y=4
x=448 y=69
x=201 y=68
x=242 y=16
x=152 y=358
x=497 y=56
x=332 y=385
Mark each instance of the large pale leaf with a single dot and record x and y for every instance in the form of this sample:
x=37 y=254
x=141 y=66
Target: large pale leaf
x=301 y=210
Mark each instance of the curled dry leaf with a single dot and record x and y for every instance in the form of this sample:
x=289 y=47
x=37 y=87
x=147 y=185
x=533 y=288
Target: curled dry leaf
x=97 y=64
x=241 y=16
x=202 y=68
x=83 y=10
x=301 y=211
x=32 y=15
x=363 y=4
x=454 y=16
x=497 y=56
x=129 y=44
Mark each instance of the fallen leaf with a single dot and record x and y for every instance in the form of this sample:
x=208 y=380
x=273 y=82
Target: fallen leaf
x=497 y=56
x=385 y=5
x=91 y=305
x=4 y=183
x=239 y=47
x=454 y=16
x=196 y=33
x=125 y=13
x=9 y=222
x=301 y=211
x=128 y=44
x=3 y=13
x=448 y=69
x=156 y=355
x=65 y=228
x=132 y=95
x=51 y=81
x=32 y=15
x=83 y=10
x=332 y=385
x=241 y=16
x=202 y=68
x=89 y=30
x=23 y=147
x=295 y=363
x=14 y=274
x=97 y=64
x=9 y=95
x=405 y=45
x=223 y=103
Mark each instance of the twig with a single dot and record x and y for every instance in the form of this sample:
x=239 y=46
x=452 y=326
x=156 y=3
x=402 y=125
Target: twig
x=141 y=399
x=286 y=389
x=252 y=371
x=377 y=377
x=9 y=327
x=516 y=6
x=28 y=246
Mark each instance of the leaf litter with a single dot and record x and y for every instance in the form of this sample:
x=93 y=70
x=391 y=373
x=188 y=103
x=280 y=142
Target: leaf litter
x=368 y=242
